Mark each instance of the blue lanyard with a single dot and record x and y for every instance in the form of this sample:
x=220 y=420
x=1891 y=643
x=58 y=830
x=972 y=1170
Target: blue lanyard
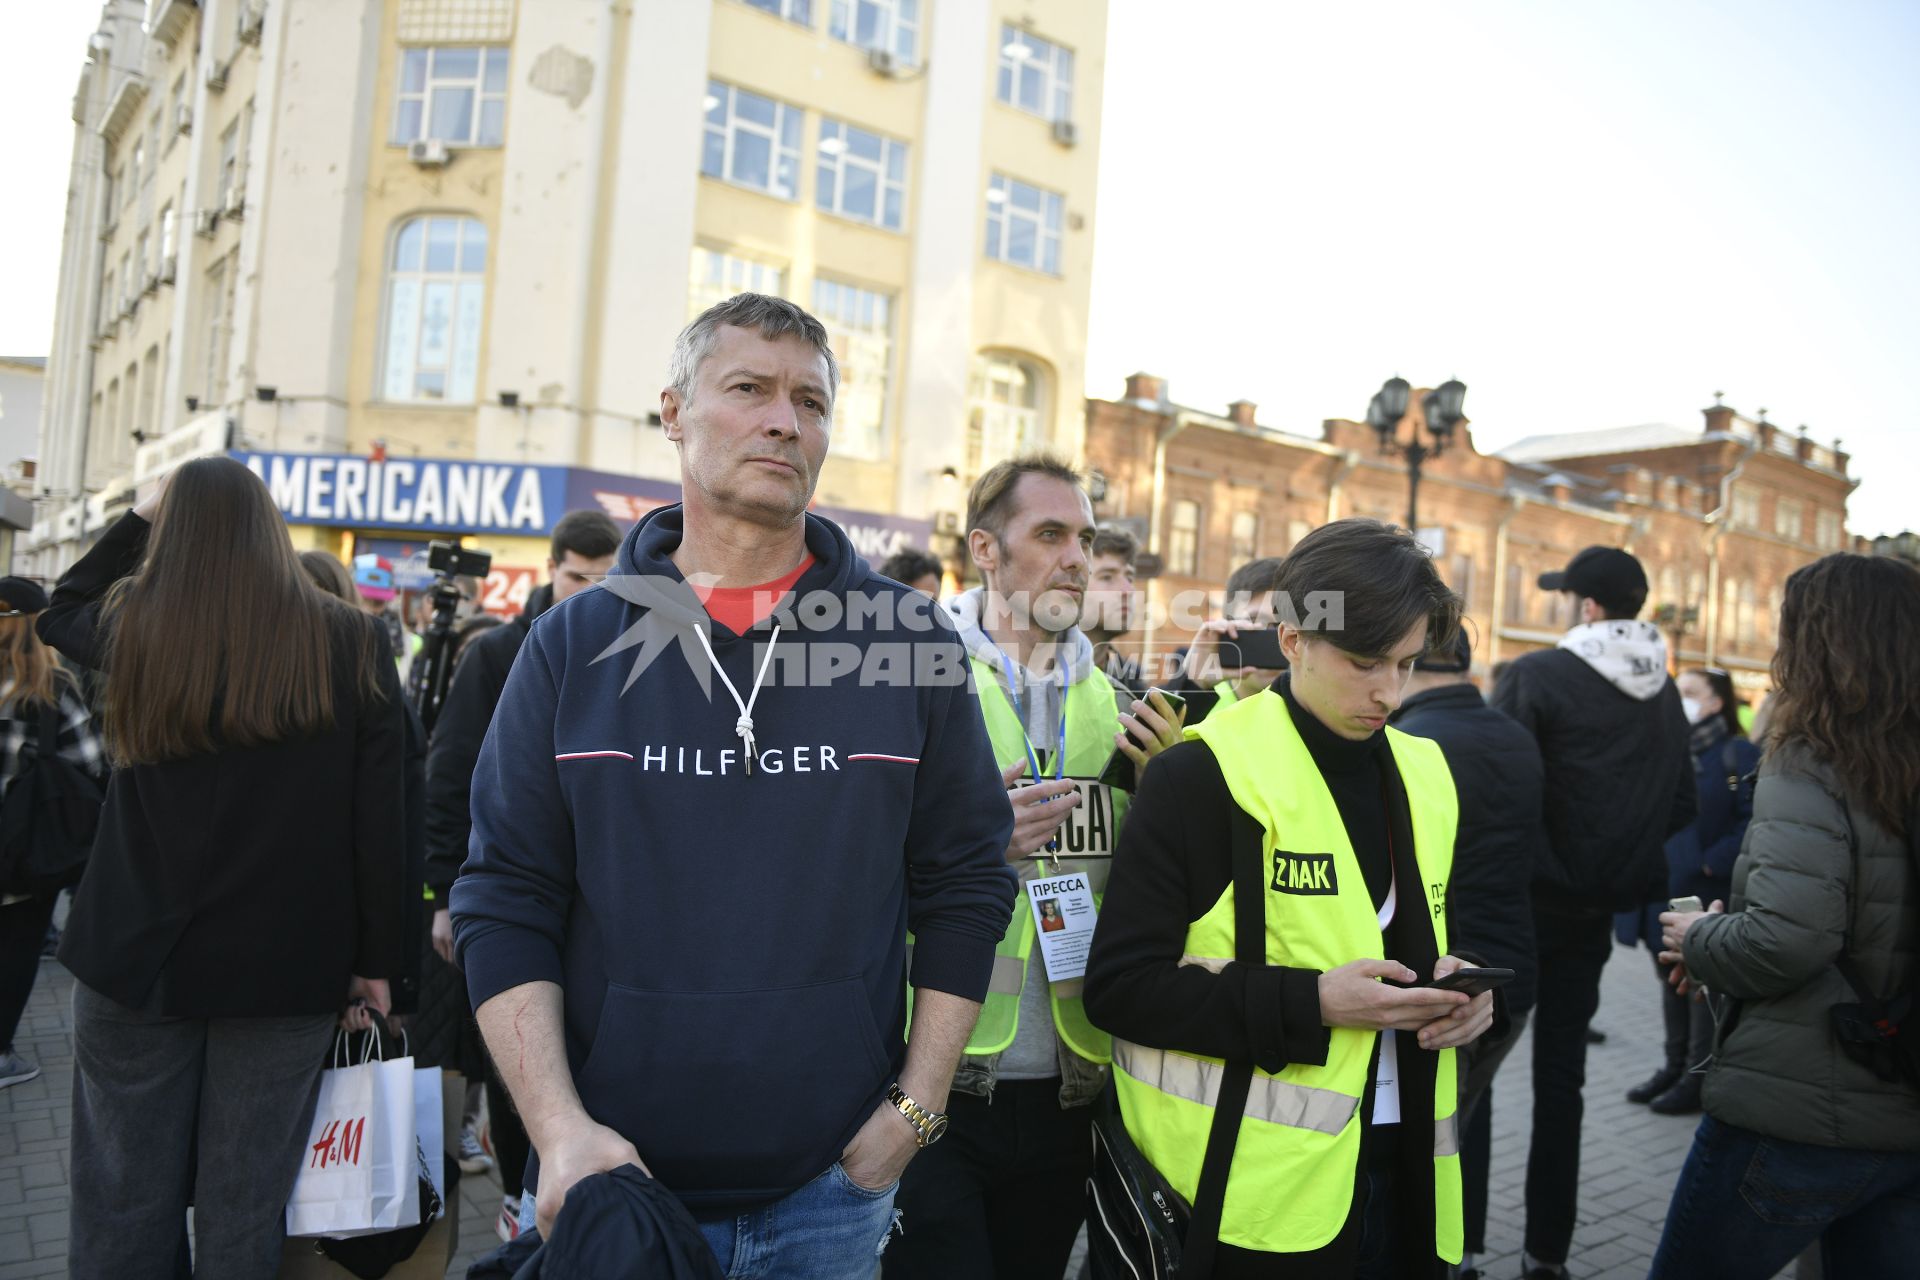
x=1020 y=715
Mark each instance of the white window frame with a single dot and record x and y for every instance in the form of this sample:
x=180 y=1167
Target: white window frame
x=1789 y=519
x=1243 y=550
x=835 y=157
x=798 y=12
x=1183 y=540
x=896 y=32
x=736 y=274
x=782 y=138
x=486 y=56
x=859 y=323
x=1746 y=507
x=405 y=353
x=1827 y=530
x=1049 y=63
x=1003 y=211
x=228 y=174
x=1000 y=426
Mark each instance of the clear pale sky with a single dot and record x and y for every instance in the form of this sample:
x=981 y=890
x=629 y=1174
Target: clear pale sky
x=1594 y=215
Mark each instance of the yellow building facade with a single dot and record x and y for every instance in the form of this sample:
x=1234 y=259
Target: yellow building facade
x=421 y=262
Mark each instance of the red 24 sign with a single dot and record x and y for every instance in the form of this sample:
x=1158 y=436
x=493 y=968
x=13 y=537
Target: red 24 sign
x=505 y=592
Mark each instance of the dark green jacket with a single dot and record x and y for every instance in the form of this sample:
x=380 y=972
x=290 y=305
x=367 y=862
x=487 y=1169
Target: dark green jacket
x=1816 y=873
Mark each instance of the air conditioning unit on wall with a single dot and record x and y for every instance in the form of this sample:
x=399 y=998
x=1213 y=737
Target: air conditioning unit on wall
x=429 y=153
x=183 y=119
x=1066 y=132
x=205 y=222
x=252 y=18
x=235 y=202
x=882 y=62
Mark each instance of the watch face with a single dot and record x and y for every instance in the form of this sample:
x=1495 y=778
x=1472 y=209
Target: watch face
x=936 y=1130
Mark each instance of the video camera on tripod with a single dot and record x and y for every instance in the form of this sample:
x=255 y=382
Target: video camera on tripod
x=432 y=669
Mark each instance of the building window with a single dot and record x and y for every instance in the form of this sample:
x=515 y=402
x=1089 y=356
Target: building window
x=1826 y=528
x=1003 y=417
x=134 y=166
x=718 y=276
x=795 y=11
x=1516 y=602
x=229 y=172
x=1789 y=519
x=860 y=323
x=435 y=305
x=1460 y=578
x=1183 y=538
x=751 y=141
x=1747 y=631
x=1243 y=539
x=109 y=183
x=129 y=287
x=1023 y=224
x=176 y=99
x=861 y=175
x=169 y=231
x=1035 y=75
x=216 y=305
x=890 y=26
x=1746 y=507
x=454 y=95
x=142 y=263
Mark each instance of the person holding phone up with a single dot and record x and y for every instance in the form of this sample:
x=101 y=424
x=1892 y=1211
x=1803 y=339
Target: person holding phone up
x=1238 y=655
x=1346 y=1161
x=1003 y=1195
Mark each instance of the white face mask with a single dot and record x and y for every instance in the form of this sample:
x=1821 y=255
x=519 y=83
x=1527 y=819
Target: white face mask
x=1692 y=708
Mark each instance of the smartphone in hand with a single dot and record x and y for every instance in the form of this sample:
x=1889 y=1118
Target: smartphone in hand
x=1253 y=648
x=1473 y=981
x=1688 y=903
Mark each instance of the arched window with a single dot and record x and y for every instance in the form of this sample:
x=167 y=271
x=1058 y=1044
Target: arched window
x=436 y=294
x=1005 y=402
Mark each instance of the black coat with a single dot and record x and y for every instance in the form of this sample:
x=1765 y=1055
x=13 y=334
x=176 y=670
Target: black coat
x=1499 y=778
x=1619 y=780
x=478 y=679
x=247 y=882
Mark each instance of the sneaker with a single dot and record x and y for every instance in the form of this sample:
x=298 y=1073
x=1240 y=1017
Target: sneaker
x=508 y=1227
x=15 y=1069
x=1656 y=1084
x=473 y=1156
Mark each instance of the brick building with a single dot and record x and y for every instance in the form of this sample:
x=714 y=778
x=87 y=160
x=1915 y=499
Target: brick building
x=1720 y=516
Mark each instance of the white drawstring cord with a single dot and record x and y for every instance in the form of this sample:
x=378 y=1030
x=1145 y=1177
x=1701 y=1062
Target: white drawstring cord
x=744 y=725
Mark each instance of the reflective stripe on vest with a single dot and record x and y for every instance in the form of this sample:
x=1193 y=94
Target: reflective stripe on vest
x=1093 y=717
x=1299 y=1146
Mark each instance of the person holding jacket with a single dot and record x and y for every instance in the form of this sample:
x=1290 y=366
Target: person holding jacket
x=247 y=880
x=1497 y=773
x=1613 y=740
x=35 y=690
x=718 y=793
x=1699 y=864
x=1347 y=1158
x=1812 y=1131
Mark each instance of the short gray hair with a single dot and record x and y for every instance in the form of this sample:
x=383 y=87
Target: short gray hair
x=772 y=318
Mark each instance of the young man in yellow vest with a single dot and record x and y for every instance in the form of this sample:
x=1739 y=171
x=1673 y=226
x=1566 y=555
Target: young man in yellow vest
x=1004 y=1195
x=1346 y=1163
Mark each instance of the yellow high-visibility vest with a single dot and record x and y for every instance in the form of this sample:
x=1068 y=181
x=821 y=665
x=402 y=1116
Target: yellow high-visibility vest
x=1299 y=1144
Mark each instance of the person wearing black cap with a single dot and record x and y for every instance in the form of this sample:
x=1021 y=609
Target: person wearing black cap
x=40 y=703
x=1619 y=781
x=1498 y=776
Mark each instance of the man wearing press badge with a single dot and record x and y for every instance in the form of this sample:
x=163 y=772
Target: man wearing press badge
x=1003 y=1196
x=1326 y=1004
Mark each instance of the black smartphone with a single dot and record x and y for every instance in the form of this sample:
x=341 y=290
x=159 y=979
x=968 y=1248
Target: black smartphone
x=1473 y=981
x=1253 y=648
x=1174 y=700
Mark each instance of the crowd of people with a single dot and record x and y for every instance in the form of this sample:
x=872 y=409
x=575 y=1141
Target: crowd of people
x=870 y=916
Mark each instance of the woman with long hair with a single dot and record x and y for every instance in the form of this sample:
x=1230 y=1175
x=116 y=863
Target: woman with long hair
x=1700 y=860
x=245 y=890
x=34 y=691
x=1811 y=1133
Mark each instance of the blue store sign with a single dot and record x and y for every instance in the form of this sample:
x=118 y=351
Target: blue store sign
x=442 y=495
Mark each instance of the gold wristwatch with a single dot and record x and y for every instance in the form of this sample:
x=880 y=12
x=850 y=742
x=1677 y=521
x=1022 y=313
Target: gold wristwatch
x=928 y=1126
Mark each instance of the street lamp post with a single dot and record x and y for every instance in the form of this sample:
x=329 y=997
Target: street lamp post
x=1440 y=407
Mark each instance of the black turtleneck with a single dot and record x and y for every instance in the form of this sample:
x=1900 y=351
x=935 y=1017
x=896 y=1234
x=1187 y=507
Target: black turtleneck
x=1353 y=773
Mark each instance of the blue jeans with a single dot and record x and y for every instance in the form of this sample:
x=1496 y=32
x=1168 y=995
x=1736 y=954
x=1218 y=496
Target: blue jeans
x=832 y=1228
x=1746 y=1205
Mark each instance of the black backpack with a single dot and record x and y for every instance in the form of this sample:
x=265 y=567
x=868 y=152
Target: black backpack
x=48 y=814
x=1881 y=1033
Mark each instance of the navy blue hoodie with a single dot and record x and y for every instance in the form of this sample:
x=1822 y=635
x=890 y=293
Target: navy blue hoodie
x=732 y=945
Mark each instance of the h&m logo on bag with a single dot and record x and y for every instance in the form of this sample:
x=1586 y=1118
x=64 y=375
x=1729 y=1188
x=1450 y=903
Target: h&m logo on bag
x=1308 y=874
x=339 y=1144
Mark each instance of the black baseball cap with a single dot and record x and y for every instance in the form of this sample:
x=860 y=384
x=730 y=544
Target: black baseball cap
x=21 y=595
x=1453 y=659
x=1607 y=575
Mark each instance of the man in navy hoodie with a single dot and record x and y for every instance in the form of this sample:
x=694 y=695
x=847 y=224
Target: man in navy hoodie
x=716 y=796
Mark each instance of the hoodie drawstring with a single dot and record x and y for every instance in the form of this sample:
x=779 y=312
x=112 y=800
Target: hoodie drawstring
x=744 y=725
